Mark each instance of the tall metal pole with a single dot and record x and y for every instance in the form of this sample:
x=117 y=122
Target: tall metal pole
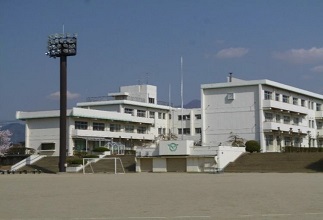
x=62 y=131
x=182 y=101
x=61 y=45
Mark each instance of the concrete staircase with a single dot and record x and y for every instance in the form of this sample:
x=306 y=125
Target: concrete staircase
x=107 y=166
x=45 y=165
x=277 y=162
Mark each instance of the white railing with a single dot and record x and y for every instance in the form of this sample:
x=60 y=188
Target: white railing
x=29 y=160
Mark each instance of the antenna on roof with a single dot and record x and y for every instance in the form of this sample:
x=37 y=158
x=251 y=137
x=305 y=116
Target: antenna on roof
x=182 y=102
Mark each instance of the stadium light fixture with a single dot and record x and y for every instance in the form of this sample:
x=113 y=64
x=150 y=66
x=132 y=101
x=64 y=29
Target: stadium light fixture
x=60 y=45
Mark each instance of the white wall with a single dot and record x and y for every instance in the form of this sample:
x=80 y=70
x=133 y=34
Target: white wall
x=227 y=154
x=141 y=91
x=222 y=115
x=40 y=131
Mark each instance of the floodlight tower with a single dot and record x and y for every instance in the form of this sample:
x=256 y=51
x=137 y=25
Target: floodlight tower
x=61 y=45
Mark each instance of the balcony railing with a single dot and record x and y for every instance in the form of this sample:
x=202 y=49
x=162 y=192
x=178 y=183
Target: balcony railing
x=271 y=104
x=273 y=126
x=108 y=134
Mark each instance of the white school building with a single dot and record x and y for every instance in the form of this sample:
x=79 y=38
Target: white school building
x=272 y=113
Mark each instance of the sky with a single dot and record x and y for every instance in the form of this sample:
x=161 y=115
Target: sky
x=129 y=42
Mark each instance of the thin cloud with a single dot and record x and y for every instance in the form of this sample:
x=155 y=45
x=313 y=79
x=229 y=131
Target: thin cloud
x=232 y=52
x=69 y=95
x=301 y=55
x=317 y=69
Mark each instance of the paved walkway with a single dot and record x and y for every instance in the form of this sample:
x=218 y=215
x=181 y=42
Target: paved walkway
x=161 y=196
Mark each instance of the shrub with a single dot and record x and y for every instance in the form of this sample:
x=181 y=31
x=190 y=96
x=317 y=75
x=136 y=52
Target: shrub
x=80 y=154
x=252 y=146
x=74 y=161
x=100 y=149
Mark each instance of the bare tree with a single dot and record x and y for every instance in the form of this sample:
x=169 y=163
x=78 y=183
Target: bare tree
x=236 y=140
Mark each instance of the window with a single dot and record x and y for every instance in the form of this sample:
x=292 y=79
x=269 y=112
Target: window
x=47 y=146
x=82 y=125
x=318 y=107
x=80 y=144
x=169 y=116
x=277 y=97
x=320 y=144
x=278 y=118
x=159 y=130
x=295 y=101
x=198 y=116
x=296 y=121
x=164 y=130
x=160 y=115
x=286 y=98
x=186 y=117
x=151 y=100
x=151 y=114
x=129 y=128
x=286 y=119
x=141 y=113
x=141 y=130
x=288 y=141
x=311 y=123
x=115 y=127
x=187 y=131
x=98 y=126
x=297 y=142
x=269 y=140
x=198 y=130
x=268 y=95
x=128 y=111
x=310 y=105
x=164 y=115
x=268 y=116
x=319 y=125
x=303 y=102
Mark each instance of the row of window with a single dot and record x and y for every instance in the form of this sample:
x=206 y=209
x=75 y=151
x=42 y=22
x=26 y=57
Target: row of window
x=188 y=117
x=187 y=131
x=270 y=117
x=295 y=101
x=97 y=126
x=142 y=113
x=290 y=141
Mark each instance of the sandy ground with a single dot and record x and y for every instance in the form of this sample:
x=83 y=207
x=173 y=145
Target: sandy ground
x=161 y=196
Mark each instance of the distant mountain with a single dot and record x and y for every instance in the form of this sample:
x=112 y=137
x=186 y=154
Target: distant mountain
x=193 y=104
x=17 y=130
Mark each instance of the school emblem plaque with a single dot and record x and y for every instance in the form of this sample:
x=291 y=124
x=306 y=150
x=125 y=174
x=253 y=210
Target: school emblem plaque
x=172 y=147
